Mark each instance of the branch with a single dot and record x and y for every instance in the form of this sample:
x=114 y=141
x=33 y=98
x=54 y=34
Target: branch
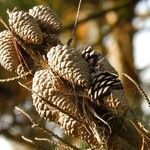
x=139 y=88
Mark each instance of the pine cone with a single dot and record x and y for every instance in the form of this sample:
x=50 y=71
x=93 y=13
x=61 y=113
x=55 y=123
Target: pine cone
x=117 y=102
x=25 y=26
x=8 y=55
x=47 y=19
x=43 y=85
x=106 y=89
x=46 y=111
x=49 y=88
x=21 y=70
x=102 y=83
x=69 y=64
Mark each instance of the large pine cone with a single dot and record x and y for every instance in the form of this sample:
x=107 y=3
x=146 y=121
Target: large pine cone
x=47 y=19
x=46 y=87
x=80 y=130
x=69 y=64
x=25 y=26
x=42 y=88
x=8 y=56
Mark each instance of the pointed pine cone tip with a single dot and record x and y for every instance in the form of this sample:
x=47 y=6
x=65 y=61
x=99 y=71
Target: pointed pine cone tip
x=8 y=11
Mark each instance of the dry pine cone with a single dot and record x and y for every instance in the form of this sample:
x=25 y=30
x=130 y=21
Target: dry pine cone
x=47 y=19
x=69 y=64
x=107 y=90
x=105 y=87
x=8 y=55
x=25 y=26
x=42 y=94
x=49 y=88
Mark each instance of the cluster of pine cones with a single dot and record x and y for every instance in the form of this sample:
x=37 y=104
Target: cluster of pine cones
x=75 y=88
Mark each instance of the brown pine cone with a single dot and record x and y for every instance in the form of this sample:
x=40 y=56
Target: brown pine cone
x=90 y=56
x=69 y=64
x=105 y=87
x=8 y=56
x=47 y=89
x=102 y=83
x=25 y=26
x=107 y=90
x=47 y=19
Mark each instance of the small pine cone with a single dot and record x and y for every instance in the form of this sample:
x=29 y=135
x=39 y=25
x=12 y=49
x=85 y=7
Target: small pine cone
x=47 y=19
x=105 y=89
x=69 y=64
x=21 y=70
x=8 y=55
x=25 y=26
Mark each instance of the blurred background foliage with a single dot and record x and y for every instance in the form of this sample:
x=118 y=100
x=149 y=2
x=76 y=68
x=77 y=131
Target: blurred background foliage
x=108 y=25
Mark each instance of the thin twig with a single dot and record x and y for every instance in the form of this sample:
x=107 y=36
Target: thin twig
x=44 y=139
x=56 y=136
x=140 y=131
x=21 y=58
x=75 y=23
x=4 y=24
x=138 y=87
x=28 y=140
x=15 y=78
x=27 y=115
